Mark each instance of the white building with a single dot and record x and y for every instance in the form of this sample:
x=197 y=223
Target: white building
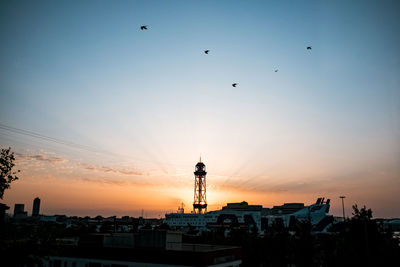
x=248 y=215
x=236 y=213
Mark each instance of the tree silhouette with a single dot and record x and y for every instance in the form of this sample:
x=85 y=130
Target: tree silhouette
x=361 y=214
x=6 y=170
x=303 y=243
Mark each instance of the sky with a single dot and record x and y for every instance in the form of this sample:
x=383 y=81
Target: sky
x=105 y=118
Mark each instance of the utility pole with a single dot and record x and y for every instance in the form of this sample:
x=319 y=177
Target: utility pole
x=342 y=197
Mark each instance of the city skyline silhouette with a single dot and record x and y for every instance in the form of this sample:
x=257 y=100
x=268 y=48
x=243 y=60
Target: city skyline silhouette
x=107 y=117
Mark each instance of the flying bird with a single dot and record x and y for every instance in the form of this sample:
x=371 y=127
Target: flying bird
x=234 y=84
x=144 y=27
x=276 y=70
x=206 y=51
x=309 y=47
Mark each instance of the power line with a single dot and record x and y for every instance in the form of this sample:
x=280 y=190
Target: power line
x=50 y=139
x=78 y=146
x=38 y=144
x=67 y=143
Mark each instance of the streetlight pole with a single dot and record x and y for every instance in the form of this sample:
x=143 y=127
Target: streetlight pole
x=342 y=197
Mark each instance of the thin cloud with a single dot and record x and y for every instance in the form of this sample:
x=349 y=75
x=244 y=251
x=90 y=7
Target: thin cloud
x=40 y=157
x=107 y=169
x=45 y=158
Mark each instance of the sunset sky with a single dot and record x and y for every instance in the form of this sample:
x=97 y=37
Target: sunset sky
x=108 y=119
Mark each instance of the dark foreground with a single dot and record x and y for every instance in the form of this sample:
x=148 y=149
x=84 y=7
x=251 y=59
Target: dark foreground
x=359 y=241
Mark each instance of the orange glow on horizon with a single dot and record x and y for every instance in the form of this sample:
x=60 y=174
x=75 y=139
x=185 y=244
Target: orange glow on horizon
x=68 y=188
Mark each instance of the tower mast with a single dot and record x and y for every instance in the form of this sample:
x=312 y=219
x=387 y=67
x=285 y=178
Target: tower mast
x=200 y=198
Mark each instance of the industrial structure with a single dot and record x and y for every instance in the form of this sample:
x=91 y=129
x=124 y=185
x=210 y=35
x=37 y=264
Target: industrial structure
x=200 y=197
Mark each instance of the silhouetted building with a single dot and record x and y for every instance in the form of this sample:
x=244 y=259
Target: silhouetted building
x=252 y=217
x=36 y=207
x=19 y=211
x=287 y=208
x=19 y=208
x=146 y=248
x=3 y=208
x=242 y=206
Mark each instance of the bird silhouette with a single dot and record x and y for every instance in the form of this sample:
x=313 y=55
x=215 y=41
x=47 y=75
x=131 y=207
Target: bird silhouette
x=309 y=47
x=144 y=27
x=206 y=51
x=276 y=70
x=234 y=84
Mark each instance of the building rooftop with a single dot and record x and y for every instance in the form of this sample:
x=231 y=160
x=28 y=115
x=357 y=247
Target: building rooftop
x=150 y=247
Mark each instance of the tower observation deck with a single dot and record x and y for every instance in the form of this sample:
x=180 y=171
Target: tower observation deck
x=200 y=198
